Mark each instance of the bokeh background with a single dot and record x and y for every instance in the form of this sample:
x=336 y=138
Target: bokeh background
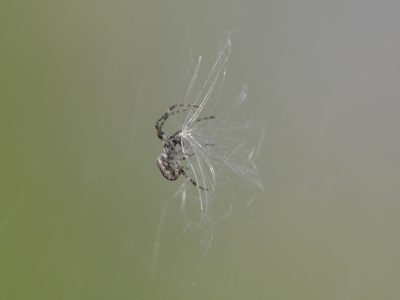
x=81 y=199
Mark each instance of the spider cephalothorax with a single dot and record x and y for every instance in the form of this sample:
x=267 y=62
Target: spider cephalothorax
x=170 y=160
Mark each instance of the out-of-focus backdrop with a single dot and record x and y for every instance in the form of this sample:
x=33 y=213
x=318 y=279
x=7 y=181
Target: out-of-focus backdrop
x=81 y=198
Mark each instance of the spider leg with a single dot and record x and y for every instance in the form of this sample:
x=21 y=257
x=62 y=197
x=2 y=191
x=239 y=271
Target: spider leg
x=184 y=156
x=203 y=119
x=197 y=121
x=174 y=109
x=182 y=171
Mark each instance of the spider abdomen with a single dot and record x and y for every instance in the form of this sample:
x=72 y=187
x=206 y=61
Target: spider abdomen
x=169 y=169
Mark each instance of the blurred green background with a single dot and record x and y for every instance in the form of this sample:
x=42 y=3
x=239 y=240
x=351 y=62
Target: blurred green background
x=82 y=83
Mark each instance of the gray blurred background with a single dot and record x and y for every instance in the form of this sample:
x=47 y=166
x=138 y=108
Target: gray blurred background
x=82 y=83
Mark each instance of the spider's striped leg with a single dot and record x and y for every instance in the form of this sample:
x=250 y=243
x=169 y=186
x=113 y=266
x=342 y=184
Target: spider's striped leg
x=182 y=171
x=184 y=156
x=198 y=120
x=204 y=119
x=174 y=109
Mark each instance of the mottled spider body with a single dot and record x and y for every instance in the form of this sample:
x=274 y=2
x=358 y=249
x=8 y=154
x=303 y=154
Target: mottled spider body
x=170 y=160
x=170 y=168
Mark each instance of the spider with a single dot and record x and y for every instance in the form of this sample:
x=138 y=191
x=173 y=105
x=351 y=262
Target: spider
x=170 y=161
